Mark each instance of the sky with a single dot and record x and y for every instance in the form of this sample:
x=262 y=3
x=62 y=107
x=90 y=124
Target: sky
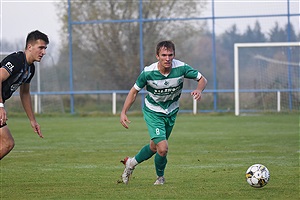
x=19 y=17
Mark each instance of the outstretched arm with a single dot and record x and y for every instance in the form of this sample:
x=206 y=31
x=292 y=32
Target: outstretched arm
x=200 y=87
x=26 y=102
x=127 y=104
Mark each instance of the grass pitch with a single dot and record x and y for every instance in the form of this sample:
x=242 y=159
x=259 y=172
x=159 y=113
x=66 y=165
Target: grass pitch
x=79 y=158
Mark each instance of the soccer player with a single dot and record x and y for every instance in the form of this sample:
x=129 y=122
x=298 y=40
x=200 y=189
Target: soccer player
x=17 y=70
x=164 y=82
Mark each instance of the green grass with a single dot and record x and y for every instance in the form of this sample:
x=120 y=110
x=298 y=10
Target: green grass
x=208 y=157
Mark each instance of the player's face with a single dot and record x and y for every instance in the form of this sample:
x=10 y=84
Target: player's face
x=37 y=50
x=165 y=58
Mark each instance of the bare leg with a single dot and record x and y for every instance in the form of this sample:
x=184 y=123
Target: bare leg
x=7 y=142
x=161 y=148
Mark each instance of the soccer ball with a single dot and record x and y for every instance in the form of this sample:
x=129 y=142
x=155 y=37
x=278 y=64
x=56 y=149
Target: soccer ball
x=257 y=175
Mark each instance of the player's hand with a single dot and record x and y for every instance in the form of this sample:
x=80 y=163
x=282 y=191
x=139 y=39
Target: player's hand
x=124 y=120
x=36 y=128
x=196 y=94
x=3 y=116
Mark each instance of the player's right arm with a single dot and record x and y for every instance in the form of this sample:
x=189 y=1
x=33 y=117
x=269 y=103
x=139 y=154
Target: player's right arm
x=130 y=99
x=3 y=76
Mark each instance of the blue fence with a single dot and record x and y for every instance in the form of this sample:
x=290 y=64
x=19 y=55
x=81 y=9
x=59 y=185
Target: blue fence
x=213 y=17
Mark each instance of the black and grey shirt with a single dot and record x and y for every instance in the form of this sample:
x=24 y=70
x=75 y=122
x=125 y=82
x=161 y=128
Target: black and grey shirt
x=20 y=72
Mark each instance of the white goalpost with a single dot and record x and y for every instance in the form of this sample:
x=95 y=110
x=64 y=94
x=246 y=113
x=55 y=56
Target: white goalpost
x=266 y=76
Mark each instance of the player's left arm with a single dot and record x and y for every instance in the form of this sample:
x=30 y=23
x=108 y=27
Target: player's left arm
x=197 y=93
x=27 y=105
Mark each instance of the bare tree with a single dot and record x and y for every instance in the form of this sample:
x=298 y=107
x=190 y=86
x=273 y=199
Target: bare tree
x=109 y=52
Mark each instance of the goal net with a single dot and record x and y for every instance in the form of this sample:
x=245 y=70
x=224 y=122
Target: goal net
x=266 y=77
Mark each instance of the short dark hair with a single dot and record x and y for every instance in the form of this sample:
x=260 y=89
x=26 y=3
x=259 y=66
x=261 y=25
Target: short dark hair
x=167 y=44
x=36 y=35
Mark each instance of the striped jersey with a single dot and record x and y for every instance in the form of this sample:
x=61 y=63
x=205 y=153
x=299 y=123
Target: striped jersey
x=164 y=91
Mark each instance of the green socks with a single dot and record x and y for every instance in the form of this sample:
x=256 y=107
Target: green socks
x=160 y=161
x=144 y=154
x=160 y=164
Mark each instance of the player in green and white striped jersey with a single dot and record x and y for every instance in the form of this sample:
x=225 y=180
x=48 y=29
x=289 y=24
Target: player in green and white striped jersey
x=164 y=82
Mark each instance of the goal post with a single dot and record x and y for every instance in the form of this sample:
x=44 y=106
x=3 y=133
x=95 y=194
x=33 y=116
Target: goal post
x=265 y=68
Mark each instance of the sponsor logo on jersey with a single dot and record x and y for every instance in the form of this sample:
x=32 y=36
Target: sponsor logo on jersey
x=9 y=66
x=154 y=83
x=166 y=91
